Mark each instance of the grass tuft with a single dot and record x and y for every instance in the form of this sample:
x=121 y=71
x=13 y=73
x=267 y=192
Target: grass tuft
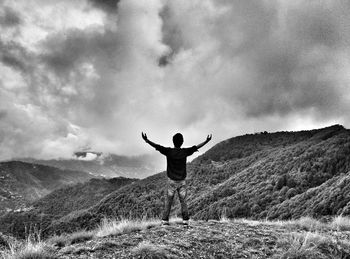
x=147 y=250
x=315 y=246
x=111 y=227
x=81 y=236
x=77 y=237
x=341 y=223
x=224 y=219
x=59 y=241
x=28 y=250
x=175 y=220
x=304 y=223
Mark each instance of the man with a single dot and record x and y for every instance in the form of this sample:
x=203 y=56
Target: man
x=176 y=172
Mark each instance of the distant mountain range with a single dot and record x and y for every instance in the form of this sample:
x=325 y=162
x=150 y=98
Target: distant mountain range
x=106 y=165
x=22 y=183
x=277 y=175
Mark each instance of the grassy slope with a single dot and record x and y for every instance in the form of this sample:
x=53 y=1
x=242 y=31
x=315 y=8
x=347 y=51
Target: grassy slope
x=246 y=176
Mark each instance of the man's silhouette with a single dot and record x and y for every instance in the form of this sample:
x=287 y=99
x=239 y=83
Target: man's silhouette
x=176 y=172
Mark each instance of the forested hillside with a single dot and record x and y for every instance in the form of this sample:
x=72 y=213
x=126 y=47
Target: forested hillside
x=255 y=175
x=265 y=175
x=59 y=203
x=79 y=196
x=21 y=183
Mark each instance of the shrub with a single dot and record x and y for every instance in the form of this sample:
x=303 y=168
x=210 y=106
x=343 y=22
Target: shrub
x=281 y=181
x=284 y=190
x=291 y=193
x=3 y=242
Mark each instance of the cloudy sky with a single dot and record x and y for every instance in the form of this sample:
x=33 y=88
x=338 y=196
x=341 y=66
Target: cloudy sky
x=92 y=74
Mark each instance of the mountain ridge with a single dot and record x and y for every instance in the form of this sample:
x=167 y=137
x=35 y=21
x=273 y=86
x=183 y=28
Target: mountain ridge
x=239 y=182
x=22 y=183
x=105 y=165
x=257 y=176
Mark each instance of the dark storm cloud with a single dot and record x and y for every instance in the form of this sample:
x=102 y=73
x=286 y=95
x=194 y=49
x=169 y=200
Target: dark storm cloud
x=9 y=17
x=172 y=35
x=284 y=56
x=106 y=5
x=64 y=51
x=3 y=114
x=14 y=55
x=297 y=70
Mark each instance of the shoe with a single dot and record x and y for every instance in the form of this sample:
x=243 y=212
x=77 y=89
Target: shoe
x=165 y=222
x=185 y=222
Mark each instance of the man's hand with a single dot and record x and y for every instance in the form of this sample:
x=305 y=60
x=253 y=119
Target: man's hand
x=209 y=138
x=144 y=136
x=205 y=142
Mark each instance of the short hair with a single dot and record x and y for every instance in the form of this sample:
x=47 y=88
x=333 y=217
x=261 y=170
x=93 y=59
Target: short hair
x=178 y=140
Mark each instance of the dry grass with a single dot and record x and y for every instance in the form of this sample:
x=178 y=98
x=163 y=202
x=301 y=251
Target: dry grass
x=108 y=227
x=147 y=250
x=341 y=223
x=59 y=241
x=315 y=246
x=175 y=220
x=111 y=227
x=249 y=221
x=223 y=218
x=304 y=223
x=76 y=237
x=81 y=236
x=28 y=250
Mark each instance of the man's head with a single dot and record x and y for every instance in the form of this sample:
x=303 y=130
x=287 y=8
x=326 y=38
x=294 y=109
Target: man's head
x=178 y=140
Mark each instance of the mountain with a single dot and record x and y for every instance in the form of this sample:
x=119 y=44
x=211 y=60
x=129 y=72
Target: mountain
x=77 y=197
x=22 y=183
x=60 y=203
x=264 y=175
x=106 y=165
x=255 y=176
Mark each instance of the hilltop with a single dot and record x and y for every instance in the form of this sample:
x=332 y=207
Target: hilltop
x=213 y=239
x=304 y=238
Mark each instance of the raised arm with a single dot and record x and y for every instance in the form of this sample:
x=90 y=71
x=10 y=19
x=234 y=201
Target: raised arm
x=144 y=136
x=205 y=142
